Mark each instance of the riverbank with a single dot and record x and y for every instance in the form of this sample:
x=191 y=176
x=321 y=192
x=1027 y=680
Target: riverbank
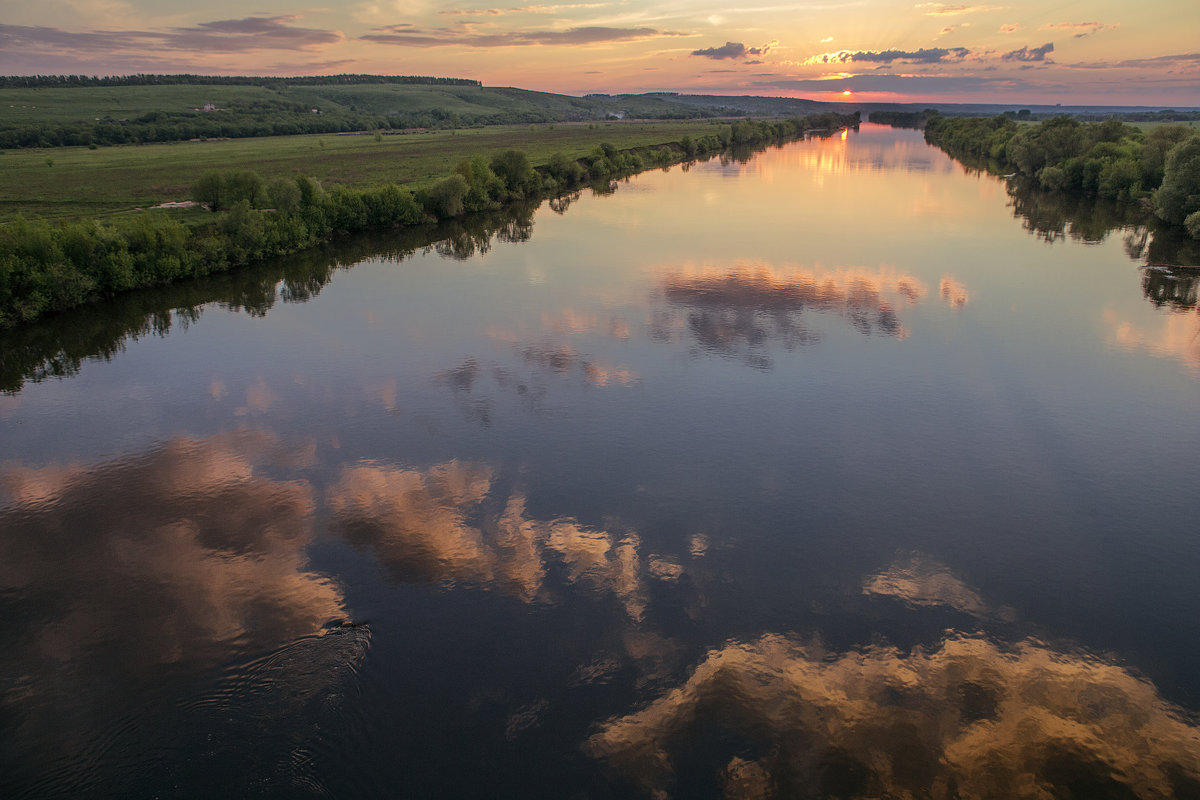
x=78 y=182
x=47 y=267
x=1159 y=169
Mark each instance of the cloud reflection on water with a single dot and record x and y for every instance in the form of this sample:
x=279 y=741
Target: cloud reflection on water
x=740 y=310
x=448 y=525
x=964 y=718
x=164 y=562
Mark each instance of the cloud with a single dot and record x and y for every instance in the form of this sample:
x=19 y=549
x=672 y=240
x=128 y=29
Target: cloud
x=949 y=29
x=1180 y=59
x=943 y=10
x=222 y=36
x=1011 y=27
x=410 y=37
x=732 y=50
x=532 y=9
x=1080 y=29
x=931 y=55
x=1030 y=53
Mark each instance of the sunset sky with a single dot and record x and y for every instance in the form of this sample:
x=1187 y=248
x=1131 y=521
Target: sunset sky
x=1105 y=51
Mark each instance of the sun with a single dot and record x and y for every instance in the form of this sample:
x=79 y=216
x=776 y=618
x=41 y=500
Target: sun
x=846 y=93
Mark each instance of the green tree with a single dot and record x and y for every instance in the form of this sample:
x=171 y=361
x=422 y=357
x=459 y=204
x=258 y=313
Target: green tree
x=245 y=184
x=1179 y=195
x=444 y=199
x=209 y=190
x=512 y=167
x=284 y=195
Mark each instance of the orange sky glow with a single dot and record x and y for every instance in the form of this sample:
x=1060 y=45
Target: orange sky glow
x=1101 y=52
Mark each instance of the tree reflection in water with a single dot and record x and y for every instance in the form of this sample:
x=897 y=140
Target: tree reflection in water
x=1053 y=216
x=58 y=345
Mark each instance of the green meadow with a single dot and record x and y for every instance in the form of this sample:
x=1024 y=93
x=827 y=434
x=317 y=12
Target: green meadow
x=73 y=182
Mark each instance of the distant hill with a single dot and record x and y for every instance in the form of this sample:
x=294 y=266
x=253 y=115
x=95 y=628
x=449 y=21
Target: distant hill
x=65 y=112
x=51 y=111
x=753 y=105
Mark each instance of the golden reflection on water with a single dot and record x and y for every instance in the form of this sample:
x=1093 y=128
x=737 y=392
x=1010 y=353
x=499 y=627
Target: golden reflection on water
x=175 y=558
x=966 y=718
x=954 y=293
x=444 y=525
x=1174 y=335
x=921 y=581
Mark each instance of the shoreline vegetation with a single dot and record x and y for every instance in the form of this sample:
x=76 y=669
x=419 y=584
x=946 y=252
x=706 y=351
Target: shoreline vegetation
x=46 y=267
x=1156 y=172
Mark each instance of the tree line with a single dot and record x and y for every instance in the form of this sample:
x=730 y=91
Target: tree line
x=146 y=79
x=903 y=119
x=46 y=268
x=261 y=118
x=1107 y=159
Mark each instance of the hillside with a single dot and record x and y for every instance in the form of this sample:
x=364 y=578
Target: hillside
x=50 y=116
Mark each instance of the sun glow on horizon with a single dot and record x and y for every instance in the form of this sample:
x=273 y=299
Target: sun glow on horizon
x=582 y=48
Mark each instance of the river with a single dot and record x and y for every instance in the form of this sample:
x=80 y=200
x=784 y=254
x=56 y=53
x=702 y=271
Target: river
x=830 y=471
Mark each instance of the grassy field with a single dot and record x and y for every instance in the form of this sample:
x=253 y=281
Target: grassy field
x=58 y=105
x=69 y=182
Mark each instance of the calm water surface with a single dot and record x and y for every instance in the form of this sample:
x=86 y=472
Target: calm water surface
x=825 y=474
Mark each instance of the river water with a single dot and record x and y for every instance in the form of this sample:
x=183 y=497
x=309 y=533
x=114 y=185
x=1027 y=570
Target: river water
x=834 y=471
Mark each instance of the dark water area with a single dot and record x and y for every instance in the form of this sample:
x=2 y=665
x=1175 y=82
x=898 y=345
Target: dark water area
x=836 y=470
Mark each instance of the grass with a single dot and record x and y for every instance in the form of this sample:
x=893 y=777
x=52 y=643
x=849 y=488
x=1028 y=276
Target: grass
x=58 y=105
x=82 y=182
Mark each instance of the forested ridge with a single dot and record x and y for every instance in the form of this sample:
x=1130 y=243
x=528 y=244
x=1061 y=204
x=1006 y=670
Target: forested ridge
x=83 y=111
x=46 y=268
x=148 y=79
x=1159 y=169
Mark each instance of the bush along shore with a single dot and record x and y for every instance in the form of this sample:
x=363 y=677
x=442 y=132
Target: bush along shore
x=46 y=268
x=1158 y=171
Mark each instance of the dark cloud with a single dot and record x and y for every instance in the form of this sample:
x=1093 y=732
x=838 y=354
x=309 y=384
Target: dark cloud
x=731 y=50
x=931 y=55
x=221 y=36
x=407 y=37
x=1030 y=53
